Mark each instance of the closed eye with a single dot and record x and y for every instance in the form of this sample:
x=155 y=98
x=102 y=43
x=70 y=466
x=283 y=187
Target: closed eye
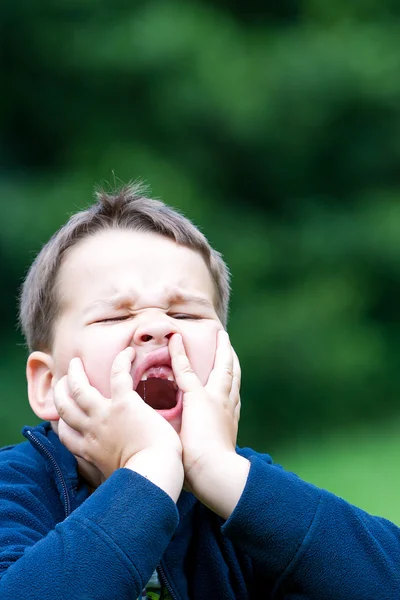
x=185 y=317
x=179 y=316
x=113 y=319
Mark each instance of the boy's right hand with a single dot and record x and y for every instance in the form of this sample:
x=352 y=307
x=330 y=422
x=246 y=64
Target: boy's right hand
x=121 y=431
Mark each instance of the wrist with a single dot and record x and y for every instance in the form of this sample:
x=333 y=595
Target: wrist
x=163 y=468
x=218 y=482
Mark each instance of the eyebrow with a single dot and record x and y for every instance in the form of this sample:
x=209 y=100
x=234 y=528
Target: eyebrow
x=115 y=301
x=175 y=297
x=181 y=297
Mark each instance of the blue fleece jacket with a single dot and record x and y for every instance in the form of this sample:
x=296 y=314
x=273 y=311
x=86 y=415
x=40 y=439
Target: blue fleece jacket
x=286 y=539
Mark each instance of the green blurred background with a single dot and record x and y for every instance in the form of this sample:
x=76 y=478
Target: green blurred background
x=275 y=126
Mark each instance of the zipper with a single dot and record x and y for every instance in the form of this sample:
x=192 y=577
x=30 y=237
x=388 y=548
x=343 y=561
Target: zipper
x=67 y=502
x=38 y=444
x=165 y=582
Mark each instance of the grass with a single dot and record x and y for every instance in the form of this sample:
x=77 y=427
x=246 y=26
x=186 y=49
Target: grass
x=361 y=466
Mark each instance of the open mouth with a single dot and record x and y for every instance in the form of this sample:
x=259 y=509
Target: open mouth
x=158 y=388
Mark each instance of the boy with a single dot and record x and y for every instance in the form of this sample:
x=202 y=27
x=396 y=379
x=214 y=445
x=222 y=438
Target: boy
x=134 y=481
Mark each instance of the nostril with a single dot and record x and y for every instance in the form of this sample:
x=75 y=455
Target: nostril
x=169 y=335
x=146 y=338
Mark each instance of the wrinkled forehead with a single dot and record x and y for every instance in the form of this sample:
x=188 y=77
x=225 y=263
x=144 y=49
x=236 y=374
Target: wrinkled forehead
x=142 y=265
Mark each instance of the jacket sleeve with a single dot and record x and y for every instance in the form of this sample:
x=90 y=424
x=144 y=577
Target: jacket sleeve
x=107 y=548
x=313 y=543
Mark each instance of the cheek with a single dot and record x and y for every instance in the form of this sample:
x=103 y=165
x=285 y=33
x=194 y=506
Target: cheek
x=98 y=358
x=96 y=347
x=98 y=371
x=201 y=351
x=97 y=355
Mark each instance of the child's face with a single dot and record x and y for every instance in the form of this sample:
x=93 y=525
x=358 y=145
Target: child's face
x=120 y=288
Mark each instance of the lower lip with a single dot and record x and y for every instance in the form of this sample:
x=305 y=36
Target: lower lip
x=173 y=413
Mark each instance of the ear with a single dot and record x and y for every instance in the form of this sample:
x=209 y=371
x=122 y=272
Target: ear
x=39 y=373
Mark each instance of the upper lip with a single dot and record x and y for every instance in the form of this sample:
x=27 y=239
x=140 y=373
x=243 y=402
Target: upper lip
x=153 y=359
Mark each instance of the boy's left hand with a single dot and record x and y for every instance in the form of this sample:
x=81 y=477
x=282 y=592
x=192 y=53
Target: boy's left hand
x=213 y=470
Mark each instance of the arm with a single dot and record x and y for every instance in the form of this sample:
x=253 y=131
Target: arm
x=312 y=542
x=94 y=553
x=213 y=470
x=109 y=546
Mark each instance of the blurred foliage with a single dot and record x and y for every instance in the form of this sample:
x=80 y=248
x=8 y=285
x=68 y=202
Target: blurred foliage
x=360 y=465
x=275 y=126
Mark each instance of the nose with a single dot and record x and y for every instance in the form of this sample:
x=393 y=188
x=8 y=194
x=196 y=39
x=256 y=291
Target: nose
x=154 y=330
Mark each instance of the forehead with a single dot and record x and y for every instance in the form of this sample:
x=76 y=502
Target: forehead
x=121 y=261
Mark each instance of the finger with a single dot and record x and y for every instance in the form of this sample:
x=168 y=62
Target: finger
x=84 y=394
x=70 y=438
x=120 y=379
x=237 y=412
x=185 y=377
x=66 y=406
x=221 y=375
x=234 y=394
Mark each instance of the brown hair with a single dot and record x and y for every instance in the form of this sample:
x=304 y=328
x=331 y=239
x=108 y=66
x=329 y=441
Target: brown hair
x=125 y=208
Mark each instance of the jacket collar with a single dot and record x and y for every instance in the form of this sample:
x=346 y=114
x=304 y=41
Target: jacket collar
x=77 y=488
x=72 y=488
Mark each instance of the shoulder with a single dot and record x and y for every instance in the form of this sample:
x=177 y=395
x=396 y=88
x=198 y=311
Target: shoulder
x=20 y=459
x=27 y=483
x=249 y=453
x=23 y=471
x=29 y=501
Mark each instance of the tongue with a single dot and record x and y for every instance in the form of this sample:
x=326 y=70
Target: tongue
x=160 y=394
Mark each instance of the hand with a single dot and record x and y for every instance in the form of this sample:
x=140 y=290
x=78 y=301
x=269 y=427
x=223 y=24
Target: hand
x=121 y=431
x=211 y=413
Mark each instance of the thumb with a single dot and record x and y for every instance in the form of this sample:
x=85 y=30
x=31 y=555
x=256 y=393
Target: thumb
x=120 y=377
x=185 y=377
